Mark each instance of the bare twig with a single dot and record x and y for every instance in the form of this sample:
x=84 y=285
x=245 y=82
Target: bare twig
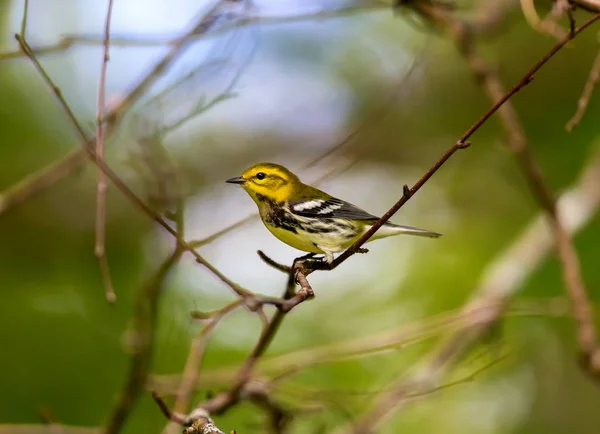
x=584 y=99
x=24 y=19
x=588 y=5
x=100 y=250
x=194 y=360
x=272 y=263
x=199 y=422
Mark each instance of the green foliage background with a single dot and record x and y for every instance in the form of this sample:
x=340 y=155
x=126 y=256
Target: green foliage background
x=62 y=344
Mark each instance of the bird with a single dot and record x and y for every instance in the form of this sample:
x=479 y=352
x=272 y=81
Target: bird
x=307 y=218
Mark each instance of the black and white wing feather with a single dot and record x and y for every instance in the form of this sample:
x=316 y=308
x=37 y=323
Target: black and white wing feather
x=329 y=208
x=338 y=209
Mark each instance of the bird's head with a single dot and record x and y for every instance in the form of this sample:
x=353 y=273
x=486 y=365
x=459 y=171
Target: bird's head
x=267 y=180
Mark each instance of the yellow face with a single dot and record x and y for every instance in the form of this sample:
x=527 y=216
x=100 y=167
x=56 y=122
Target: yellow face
x=271 y=181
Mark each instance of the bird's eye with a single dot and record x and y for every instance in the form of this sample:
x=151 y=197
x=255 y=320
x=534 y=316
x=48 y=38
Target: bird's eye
x=260 y=176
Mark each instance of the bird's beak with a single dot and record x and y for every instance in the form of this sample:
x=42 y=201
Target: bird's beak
x=237 y=180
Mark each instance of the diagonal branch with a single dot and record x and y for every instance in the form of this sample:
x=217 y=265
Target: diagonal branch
x=193 y=362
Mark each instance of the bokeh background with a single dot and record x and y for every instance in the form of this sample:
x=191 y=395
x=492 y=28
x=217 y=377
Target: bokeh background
x=293 y=90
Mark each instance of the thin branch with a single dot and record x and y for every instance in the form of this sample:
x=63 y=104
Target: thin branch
x=194 y=361
x=24 y=19
x=273 y=263
x=100 y=250
x=199 y=422
x=588 y=5
x=164 y=408
x=584 y=99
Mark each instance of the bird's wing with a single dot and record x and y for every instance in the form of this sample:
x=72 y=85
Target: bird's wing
x=329 y=208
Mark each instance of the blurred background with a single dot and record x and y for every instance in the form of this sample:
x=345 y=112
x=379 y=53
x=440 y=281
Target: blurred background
x=287 y=88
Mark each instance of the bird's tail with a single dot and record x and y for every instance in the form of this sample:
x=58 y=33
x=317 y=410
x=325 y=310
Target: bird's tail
x=389 y=229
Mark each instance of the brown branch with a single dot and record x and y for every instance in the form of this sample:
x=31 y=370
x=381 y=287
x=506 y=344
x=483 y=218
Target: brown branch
x=197 y=423
x=584 y=99
x=588 y=5
x=272 y=263
x=194 y=361
x=100 y=250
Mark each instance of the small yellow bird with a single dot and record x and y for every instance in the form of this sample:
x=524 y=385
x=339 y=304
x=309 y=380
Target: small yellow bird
x=307 y=218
